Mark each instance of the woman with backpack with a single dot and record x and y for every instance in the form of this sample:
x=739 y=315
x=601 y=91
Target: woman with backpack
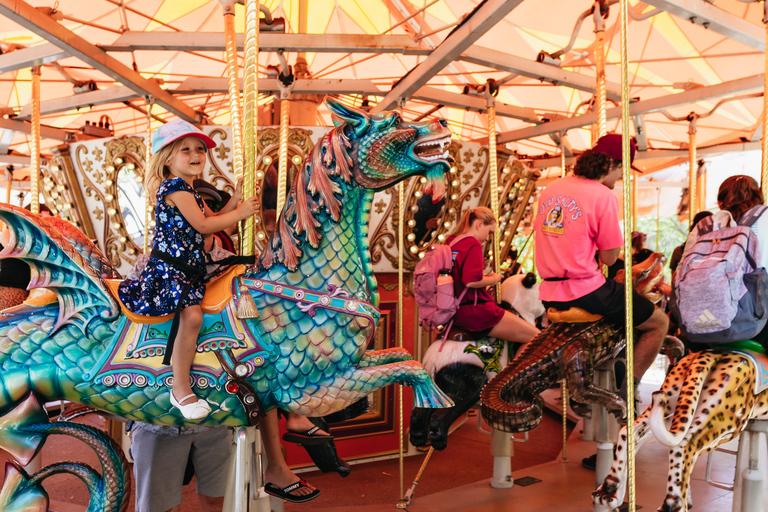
x=478 y=311
x=739 y=199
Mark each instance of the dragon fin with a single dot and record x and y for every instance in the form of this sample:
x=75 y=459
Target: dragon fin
x=14 y=439
x=56 y=264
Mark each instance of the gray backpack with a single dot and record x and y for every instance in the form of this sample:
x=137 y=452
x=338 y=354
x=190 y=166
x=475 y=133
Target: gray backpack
x=719 y=290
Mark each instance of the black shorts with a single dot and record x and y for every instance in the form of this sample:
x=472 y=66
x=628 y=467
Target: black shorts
x=608 y=300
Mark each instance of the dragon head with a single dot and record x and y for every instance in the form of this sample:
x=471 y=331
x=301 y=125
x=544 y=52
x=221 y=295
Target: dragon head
x=389 y=149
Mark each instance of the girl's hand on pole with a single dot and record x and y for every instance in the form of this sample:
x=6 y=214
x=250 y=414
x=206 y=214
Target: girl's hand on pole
x=247 y=208
x=238 y=195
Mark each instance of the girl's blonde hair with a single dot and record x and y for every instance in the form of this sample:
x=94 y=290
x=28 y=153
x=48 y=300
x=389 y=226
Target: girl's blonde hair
x=481 y=212
x=157 y=172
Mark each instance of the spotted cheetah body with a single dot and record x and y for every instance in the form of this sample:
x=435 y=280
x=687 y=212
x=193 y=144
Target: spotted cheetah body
x=705 y=401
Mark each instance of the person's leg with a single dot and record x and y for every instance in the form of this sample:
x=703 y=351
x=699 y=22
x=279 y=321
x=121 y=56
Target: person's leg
x=211 y=449
x=159 y=461
x=298 y=423
x=513 y=328
x=210 y=504
x=649 y=343
x=184 y=352
x=277 y=471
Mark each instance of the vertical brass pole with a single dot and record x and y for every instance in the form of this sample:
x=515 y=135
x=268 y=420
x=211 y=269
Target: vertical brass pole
x=563 y=385
x=658 y=220
x=34 y=146
x=625 y=157
x=148 y=209
x=235 y=106
x=600 y=72
x=692 y=169
x=493 y=169
x=250 y=111
x=764 y=138
x=282 y=175
x=400 y=298
x=634 y=200
x=562 y=155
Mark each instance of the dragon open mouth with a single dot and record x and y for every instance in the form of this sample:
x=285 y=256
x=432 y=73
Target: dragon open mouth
x=433 y=150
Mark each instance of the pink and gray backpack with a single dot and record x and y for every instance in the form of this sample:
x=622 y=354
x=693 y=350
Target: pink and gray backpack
x=433 y=288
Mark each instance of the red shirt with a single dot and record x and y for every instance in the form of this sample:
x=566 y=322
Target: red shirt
x=468 y=266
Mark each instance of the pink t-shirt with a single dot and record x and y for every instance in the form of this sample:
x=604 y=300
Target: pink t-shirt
x=575 y=217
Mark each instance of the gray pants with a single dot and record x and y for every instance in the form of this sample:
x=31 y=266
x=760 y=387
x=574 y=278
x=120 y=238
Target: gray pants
x=160 y=457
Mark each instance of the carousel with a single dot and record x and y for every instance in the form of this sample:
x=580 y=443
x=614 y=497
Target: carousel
x=365 y=130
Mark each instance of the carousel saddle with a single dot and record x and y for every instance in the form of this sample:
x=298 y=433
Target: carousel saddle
x=572 y=315
x=218 y=293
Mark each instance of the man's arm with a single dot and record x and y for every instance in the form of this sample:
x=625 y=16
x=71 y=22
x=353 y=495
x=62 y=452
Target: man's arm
x=609 y=256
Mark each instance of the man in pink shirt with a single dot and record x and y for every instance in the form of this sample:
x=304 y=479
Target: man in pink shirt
x=577 y=216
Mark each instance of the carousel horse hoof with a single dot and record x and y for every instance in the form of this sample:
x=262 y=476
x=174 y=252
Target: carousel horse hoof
x=438 y=436
x=194 y=411
x=419 y=429
x=327 y=459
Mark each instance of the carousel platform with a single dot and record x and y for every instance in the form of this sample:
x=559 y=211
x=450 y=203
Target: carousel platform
x=458 y=479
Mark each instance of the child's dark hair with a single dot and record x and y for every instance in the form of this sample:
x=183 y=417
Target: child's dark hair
x=738 y=194
x=593 y=165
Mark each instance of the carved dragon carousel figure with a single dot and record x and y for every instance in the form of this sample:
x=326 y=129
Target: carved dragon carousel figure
x=307 y=353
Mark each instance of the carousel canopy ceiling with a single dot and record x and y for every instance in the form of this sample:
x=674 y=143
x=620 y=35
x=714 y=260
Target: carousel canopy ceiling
x=101 y=59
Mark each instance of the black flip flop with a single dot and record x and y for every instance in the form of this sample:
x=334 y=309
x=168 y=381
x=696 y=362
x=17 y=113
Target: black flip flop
x=307 y=437
x=285 y=492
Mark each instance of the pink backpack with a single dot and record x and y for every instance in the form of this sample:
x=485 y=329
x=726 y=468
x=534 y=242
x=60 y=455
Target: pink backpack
x=433 y=288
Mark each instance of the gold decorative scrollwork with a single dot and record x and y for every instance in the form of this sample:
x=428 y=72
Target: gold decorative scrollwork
x=62 y=193
x=124 y=154
x=299 y=146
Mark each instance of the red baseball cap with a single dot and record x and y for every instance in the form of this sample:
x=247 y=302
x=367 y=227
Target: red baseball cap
x=610 y=145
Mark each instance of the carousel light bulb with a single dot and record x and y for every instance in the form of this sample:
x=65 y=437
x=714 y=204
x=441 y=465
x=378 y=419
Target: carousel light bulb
x=108 y=183
x=411 y=223
x=116 y=225
x=122 y=239
x=453 y=169
x=414 y=208
x=455 y=183
x=131 y=166
x=421 y=255
x=297 y=160
x=446 y=224
x=261 y=235
x=61 y=188
x=441 y=237
x=423 y=179
x=111 y=168
x=267 y=160
x=454 y=197
x=411 y=237
x=418 y=193
x=112 y=211
x=118 y=160
x=413 y=249
x=452 y=210
x=109 y=197
x=152 y=224
x=257 y=220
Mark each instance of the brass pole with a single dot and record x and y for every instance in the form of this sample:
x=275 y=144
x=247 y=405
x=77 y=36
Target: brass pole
x=282 y=175
x=34 y=145
x=493 y=169
x=600 y=72
x=235 y=107
x=400 y=298
x=692 y=169
x=629 y=331
x=563 y=385
x=764 y=138
x=148 y=209
x=562 y=155
x=250 y=114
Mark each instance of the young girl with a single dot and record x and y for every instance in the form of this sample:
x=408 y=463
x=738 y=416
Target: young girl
x=478 y=311
x=173 y=272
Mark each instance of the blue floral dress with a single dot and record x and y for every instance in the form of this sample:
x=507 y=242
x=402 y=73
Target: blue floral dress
x=159 y=287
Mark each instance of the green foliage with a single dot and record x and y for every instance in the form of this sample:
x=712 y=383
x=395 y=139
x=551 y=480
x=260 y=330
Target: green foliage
x=671 y=233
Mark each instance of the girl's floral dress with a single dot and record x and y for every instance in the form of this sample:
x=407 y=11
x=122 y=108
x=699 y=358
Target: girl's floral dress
x=159 y=286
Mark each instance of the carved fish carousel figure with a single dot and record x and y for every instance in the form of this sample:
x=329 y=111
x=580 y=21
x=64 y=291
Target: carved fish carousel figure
x=313 y=287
